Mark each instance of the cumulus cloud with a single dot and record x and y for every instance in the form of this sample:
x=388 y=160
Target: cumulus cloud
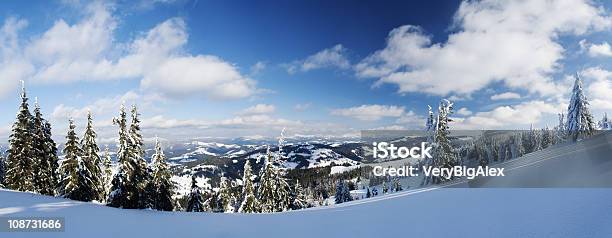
x=598 y=87
x=514 y=42
x=161 y=122
x=370 y=112
x=464 y=111
x=334 y=57
x=258 y=109
x=86 y=50
x=596 y=50
x=510 y=117
x=505 y=96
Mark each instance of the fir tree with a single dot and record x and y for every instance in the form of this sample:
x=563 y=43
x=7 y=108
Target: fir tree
x=194 y=203
x=162 y=183
x=2 y=171
x=91 y=159
x=107 y=173
x=430 y=128
x=267 y=185
x=141 y=177
x=249 y=203
x=342 y=192
x=443 y=154
x=46 y=159
x=299 y=198
x=385 y=187
x=580 y=122
x=19 y=172
x=605 y=123
x=368 y=193
x=76 y=182
x=397 y=186
x=225 y=195
x=124 y=191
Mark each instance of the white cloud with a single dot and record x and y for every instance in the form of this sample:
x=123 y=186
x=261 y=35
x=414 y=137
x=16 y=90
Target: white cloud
x=161 y=122
x=598 y=87
x=101 y=107
x=87 y=50
x=411 y=120
x=302 y=106
x=509 y=117
x=258 y=109
x=514 y=42
x=596 y=50
x=464 y=111
x=370 y=112
x=506 y=95
x=258 y=120
x=327 y=58
x=258 y=67
x=12 y=65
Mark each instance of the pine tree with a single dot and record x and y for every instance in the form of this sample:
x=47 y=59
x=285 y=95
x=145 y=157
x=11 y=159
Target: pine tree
x=107 y=173
x=141 y=175
x=342 y=192
x=45 y=150
x=91 y=159
x=368 y=193
x=163 y=186
x=124 y=192
x=283 y=192
x=225 y=195
x=299 y=198
x=19 y=172
x=430 y=128
x=249 y=203
x=605 y=123
x=2 y=171
x=194 y=204
x=443 y=155
x=76 y=182
x=580 y=122
x=397 y=186
x=385 y=187
x=267 y=185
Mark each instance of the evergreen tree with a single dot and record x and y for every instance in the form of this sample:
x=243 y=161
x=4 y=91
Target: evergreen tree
x=605 y=123
x=45 y=151
x=368 y=193
x=194 y=204
x=266 y=193
x=2 y=171
x=107 y=173
x=225 y=195
x=249 y=203
x=385 y=187
x=580 y=122
x=91 y=159
x=342 y=192
x=19 y=172
x=76 y=182
x=283 y=192
x=141 y=175
x=163 y=186
x=124 y=191
x=443 y=154
x=299 y=198
x=430 y=127
x=397 y=186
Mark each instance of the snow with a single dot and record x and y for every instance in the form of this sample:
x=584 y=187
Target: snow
x=342 y=169
x=452 y=210
x=469 y=212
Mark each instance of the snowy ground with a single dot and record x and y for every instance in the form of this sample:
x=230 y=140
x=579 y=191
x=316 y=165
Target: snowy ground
x=450 y=211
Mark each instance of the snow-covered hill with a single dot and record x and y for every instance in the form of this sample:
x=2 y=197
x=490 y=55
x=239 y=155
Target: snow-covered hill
x=421 y=213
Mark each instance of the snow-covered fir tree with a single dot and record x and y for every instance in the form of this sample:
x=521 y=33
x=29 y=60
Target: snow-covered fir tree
x=430 y=125
x=107 y=173
x=385 y=187
x=124 y=191
x=342 y=192
x=443 y=154
x=141 y=175
x=91 y=158
x=19 y=173
x=194 y=203
x=249 y=204
x=2 y=171
x=161 y=180
x=397 y=186
x=225 y=195
x=45 y=151
x=76 y=182
x=299 y=197
x=604 y=123
x=579 y=123
x=267 y=186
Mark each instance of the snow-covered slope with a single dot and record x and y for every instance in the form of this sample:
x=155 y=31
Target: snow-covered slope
x=424 y=213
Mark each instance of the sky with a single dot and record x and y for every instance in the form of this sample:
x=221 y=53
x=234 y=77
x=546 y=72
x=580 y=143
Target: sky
x=226 y=69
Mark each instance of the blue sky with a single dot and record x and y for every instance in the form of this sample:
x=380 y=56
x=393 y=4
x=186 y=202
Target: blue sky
x=251 y=68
